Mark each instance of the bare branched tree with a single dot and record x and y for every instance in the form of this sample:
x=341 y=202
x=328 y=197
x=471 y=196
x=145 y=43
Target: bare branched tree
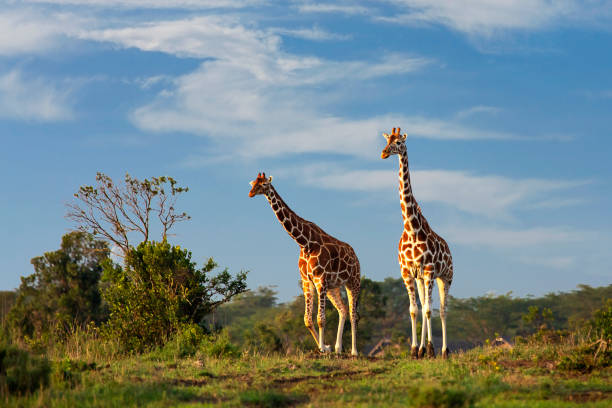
x=111 y=211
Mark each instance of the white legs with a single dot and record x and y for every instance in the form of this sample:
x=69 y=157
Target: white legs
x=336 y=299
x=443 y=291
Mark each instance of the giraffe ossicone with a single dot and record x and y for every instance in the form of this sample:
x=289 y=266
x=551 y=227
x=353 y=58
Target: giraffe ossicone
x=423 y=255
x=326 y=264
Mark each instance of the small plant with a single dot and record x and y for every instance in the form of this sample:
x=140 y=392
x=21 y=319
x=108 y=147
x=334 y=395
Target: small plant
x=69 y=371
x=270 y=399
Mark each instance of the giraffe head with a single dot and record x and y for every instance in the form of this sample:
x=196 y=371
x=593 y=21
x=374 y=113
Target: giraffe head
x=395 y=143
x=261 y=185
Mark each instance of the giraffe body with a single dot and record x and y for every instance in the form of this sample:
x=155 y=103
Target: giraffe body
x=423 y=255
x=326 y=264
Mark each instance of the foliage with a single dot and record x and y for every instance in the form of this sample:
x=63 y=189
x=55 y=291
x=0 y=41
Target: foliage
x=601 y=322
x=262 y=338
x=159 y=291
x=21 y=372
x=63 y=290
x=595 y=352
x=7 y=299
x=113 y=211
x=383 y=308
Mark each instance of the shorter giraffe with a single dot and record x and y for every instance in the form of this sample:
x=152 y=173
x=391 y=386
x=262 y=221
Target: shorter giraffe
x=326 y=264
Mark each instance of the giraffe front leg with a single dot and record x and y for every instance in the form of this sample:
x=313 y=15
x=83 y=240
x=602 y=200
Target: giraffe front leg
x=409 y=283
x=308 y=289
x=321 y=321
x=336 y=299
x=420 y=288
x=428 y=281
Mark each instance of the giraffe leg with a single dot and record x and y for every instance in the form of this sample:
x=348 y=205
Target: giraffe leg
x=308 y=289
x=428 y=287
x=421 y=290
x=409 y=283
x=336 y=299
x=321 y=319
x=353 y=297
x=443 y=291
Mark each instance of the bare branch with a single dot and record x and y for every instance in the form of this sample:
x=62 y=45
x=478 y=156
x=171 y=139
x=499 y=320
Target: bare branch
x=111 y=211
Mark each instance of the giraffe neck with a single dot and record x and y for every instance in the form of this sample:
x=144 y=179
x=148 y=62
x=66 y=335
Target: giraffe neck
x=410 y=214
x=298 y=228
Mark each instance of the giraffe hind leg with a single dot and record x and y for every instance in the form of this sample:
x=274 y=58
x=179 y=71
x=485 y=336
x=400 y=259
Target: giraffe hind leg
x=336 y=300
x=443 y=288
x=353 y=298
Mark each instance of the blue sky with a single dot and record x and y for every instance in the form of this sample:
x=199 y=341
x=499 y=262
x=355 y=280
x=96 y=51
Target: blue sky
x=507 y=106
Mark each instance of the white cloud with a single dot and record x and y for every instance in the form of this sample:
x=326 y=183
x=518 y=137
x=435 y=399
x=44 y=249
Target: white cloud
x=333 y=8
x=486 y=18
x=501 y=237
x=488 y=196
x=154 y=4
x=27 y=31
x=314 y=34
x=476 y=110
x=32 y=99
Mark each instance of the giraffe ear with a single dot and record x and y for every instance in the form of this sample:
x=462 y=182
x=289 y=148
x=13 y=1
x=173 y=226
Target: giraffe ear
x=403 y=137
x=252 y=183
x=386 y=136
x=270 y=179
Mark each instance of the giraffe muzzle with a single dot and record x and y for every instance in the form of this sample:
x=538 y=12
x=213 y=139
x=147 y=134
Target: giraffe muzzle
x=384 y=155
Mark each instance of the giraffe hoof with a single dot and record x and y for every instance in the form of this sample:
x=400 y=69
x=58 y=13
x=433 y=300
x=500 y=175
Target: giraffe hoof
x=414 y=353
x=421 y=352
x=445 y=354
x=325 y=349
x=431 y=353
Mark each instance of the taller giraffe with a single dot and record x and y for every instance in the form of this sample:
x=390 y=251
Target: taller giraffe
x=326 y=264
x=423 y=254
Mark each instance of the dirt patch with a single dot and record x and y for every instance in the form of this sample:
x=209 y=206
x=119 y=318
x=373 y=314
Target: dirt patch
x=588 y=396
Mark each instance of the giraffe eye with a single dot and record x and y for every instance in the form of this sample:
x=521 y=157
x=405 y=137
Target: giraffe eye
x=397 y=143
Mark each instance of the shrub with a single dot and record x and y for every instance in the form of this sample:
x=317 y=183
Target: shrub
x=62 y=292
x=21 y=372
x=263 y=339
x=596 y=351
x=160 y=291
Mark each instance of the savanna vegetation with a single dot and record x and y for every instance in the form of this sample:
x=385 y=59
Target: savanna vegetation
x=155 y=329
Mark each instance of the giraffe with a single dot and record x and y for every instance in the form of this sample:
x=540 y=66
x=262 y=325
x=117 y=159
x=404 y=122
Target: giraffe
x=326 y=264
x=423 y=254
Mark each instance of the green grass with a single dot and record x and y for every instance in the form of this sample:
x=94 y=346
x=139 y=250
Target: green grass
x=527 y=375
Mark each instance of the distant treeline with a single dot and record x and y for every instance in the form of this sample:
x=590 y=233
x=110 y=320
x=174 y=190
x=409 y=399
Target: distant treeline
x=256 y=318
x=7 y=298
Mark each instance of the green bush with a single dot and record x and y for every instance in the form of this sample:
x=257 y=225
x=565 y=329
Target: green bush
x=263 y=339
x=62 y=292
x=21 y=372
x=68 y=371
x=219 y=345
x=159 y=291
x=596 y=350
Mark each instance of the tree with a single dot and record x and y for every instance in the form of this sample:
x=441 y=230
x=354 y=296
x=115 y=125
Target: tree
x=159 y=290
x=112 y=212
x=63 y=290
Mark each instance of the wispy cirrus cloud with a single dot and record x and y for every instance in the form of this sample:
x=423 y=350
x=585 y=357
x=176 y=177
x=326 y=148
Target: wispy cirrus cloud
x=477 y=110
x=488 y=196
x=337 y=8
x=154 y=4
x=32 y=98
x=487 y=18
x=314 y=34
